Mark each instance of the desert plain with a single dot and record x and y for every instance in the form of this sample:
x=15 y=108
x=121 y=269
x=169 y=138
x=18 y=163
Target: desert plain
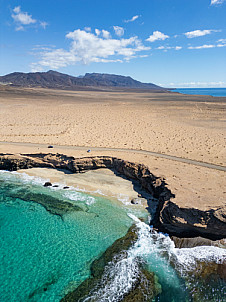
x=124 y=124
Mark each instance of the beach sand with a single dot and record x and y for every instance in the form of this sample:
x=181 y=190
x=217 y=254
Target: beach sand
x=185 y=126
x=102 y=182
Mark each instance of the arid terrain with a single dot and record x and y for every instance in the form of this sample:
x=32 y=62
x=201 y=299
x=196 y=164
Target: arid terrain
x=189 y=127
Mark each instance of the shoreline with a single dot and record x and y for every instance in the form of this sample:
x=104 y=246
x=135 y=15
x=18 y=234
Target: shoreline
x=101 y=183
x=209 y=95
x=168 y=216
x=135 y=242
x=194 y=186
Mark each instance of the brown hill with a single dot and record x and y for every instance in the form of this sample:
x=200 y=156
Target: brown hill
x=54 y=79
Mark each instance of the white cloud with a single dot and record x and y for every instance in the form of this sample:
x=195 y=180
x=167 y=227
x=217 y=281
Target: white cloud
x=199 y=33
x=215 y=2
x=23 y=19
x=165 y=48
x=106 y=34
x=202 y=46
x=132 y=19
x=222 y=41
x=157 y=35
x=36 y=67
x=207 y=46
x=43 y=47
x=87 y=47
x=87 y=29
x=119 y=31
x=16 y=9
x=97 y=31
x=19 y=28
x=43 y=24
x=197 y=84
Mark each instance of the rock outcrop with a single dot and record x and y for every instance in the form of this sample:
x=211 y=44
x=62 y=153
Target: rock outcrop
x=190 y=222
x=197 y=241
x=143 y=284
x=168 y=217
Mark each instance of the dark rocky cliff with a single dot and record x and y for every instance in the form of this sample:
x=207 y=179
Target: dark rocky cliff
x=180 y=222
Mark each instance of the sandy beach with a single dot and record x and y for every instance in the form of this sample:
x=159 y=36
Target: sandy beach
x=102 y=182
x=189 y=127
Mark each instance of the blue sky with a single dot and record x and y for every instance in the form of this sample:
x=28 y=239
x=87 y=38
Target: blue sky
x=174 y=43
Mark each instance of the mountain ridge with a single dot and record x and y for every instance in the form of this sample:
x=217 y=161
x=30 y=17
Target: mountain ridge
x=55 y=79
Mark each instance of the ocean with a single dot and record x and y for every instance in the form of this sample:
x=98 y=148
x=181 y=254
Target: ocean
x=46 y=249
x=219 y=92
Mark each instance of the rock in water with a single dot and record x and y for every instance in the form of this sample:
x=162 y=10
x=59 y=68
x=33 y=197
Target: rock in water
x=138 y=200
x=115 y=276
x=210 y=277
x=47 y=184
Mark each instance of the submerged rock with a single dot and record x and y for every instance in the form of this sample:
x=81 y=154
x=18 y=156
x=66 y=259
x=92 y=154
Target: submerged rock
x=38 y=291
x=52 y=204
x=206 y=282
x=207 y=270
x=110 y=278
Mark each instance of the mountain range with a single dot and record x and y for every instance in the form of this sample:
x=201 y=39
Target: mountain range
x=54 y=79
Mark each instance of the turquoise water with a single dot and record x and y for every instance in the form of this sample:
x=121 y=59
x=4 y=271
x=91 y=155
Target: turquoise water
x=44 y=256
x=203 y=91
x=40 y=250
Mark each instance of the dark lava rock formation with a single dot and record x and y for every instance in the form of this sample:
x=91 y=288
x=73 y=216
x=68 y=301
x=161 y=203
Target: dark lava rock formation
x=168 y=217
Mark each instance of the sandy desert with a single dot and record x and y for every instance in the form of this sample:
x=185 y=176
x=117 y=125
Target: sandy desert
x=185 y=126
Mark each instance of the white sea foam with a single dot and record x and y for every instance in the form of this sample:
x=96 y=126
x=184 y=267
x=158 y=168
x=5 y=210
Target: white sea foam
x=188 y=257
x=31 y=179
x=77 y=196
x=118 y=279
x=121 y=274
x=23 y=177
x=157 y=250
x=71 y=194
x=98 y=192
x=123 y=198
